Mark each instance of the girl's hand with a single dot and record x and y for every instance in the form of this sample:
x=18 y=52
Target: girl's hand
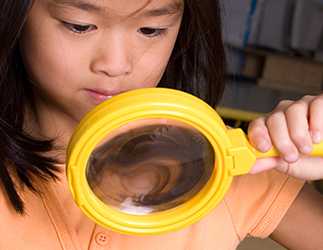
x=292 y=127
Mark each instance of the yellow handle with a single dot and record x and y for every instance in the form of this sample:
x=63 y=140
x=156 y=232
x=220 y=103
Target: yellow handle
x=317 y=151
x=244 y=154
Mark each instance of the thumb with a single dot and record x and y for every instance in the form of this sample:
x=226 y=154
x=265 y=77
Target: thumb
x=264 y=164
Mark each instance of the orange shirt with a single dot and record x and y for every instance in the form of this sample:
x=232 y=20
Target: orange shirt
x=254 y=205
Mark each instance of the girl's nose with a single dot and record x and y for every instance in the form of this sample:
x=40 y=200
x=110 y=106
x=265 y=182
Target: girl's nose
x=113 y=57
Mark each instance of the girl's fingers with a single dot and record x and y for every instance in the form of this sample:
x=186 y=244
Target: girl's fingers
x=292 y=128
x=258 y=135
x=316 y=119
x=279 y=133
x=298 y=127
x=307 y=168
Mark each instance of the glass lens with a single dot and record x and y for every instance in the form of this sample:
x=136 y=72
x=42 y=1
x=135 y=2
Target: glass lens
x=150 y=166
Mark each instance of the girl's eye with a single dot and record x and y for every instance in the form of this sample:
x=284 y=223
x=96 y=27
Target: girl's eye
x=78 y=28
x=152 y=32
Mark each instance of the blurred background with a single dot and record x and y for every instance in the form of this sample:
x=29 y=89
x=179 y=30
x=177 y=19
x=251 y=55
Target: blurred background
x=274 y=52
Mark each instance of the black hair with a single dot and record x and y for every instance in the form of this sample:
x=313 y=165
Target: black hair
x=197 y=66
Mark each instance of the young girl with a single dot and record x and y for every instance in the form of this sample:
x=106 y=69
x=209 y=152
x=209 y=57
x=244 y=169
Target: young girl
x=60 y=58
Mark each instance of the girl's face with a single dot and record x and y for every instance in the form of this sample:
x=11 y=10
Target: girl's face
x=79 y=53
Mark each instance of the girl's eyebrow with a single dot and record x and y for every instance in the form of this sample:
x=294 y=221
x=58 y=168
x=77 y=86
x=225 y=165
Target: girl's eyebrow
x=168 y=9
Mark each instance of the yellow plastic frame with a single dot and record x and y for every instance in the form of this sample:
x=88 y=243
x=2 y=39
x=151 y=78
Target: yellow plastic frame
x=234 y=156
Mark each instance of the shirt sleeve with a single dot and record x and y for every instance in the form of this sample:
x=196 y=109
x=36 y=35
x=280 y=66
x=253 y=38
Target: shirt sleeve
x=257 y=203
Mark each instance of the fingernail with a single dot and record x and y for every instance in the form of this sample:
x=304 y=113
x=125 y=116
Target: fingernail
x=307 y=149
x=291 y=157
x=316 y=137
x=263 y=146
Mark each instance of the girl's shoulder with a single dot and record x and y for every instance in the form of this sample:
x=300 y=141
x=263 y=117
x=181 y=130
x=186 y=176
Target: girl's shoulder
x=258 y=202
x=7 y=213
x=34 y=224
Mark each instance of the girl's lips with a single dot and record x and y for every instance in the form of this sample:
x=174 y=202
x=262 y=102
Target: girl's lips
x=99 y=96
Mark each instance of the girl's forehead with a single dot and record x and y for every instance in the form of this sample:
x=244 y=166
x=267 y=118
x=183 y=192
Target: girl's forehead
x=147 y=8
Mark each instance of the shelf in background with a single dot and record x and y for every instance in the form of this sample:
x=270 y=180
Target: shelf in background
x=248 y=99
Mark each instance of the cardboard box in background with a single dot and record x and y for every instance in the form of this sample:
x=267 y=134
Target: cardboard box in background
x=292 y=73
x=252 y=67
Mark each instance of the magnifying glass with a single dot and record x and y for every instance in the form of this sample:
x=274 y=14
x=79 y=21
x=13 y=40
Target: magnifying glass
x=155 y=160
